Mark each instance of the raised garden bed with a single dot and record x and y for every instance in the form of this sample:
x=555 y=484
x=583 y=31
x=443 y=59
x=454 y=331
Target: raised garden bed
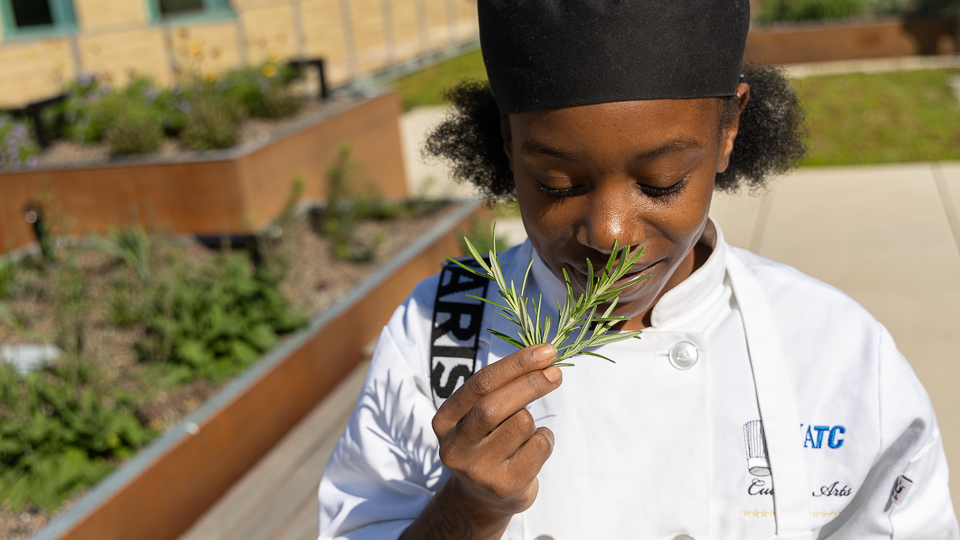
x=170 y=483
x=220 y=191
x=824 y=41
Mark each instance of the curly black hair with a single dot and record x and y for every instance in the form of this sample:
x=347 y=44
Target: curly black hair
x=770 y=140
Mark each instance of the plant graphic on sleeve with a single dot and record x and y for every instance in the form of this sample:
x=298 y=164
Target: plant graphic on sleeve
x=574 y=316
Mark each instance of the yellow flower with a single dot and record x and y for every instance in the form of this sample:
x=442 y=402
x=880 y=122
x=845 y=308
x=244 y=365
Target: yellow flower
x=210 y=76
x=274 y=56
x=269 y=70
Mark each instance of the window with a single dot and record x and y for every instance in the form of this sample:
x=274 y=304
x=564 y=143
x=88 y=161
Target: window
x=175 y=9
x=36 y=18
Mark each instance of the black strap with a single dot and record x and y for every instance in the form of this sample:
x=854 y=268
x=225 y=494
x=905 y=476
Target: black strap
x=456 y=329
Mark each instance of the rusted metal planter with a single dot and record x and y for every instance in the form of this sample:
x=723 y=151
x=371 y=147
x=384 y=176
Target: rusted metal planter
x=224 y=191
x=874 y=38
x=166 y=487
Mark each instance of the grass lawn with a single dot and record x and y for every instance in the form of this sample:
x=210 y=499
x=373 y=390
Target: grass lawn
x=424 y=87
x=852 y=119
x=881 y=118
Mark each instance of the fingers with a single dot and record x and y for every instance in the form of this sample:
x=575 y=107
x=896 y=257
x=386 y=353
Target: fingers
x=534 y=453
x=493 y=409
x=493 y=378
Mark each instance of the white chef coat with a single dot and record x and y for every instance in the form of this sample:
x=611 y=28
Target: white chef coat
x=646 y=450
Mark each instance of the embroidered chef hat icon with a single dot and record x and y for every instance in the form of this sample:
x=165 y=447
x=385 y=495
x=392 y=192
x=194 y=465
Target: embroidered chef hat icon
x=757 y=462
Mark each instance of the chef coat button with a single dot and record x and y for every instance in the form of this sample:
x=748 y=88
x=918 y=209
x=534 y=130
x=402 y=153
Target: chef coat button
x=544 y=537
x=683 y=355
x=683 y=537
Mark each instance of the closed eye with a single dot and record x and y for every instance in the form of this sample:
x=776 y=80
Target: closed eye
x=664 y=192
x=555 y=192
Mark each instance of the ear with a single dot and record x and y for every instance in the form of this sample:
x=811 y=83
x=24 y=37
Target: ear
x=507 y=135
x=730 y=131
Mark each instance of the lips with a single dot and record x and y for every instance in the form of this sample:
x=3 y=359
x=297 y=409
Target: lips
x=580 y=275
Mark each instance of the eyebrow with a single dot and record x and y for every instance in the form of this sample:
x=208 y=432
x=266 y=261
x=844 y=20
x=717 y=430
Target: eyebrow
x=674 y=145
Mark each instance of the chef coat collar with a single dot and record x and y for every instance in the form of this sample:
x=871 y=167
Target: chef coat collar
x=678 y=301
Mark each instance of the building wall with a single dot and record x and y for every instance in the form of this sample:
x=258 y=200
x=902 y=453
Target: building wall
x=119 y=39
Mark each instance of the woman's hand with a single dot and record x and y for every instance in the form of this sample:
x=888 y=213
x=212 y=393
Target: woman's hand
x=489 y=441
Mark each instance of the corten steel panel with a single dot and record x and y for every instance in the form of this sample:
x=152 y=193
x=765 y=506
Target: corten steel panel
x=373 y=134
x=790 y=44
x=227 y=196
x=163 y=501
x=185 y=197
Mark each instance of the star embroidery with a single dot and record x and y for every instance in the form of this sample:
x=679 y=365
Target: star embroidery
x=746 y=513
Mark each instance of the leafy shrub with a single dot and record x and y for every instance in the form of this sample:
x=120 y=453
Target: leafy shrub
x=215 y=320
x=135 y=129
x=130 y=244
x=798 y=10
x=212 y=122
x=59 y=434
x=263 y=91
x=18 y=148
x=344 y=210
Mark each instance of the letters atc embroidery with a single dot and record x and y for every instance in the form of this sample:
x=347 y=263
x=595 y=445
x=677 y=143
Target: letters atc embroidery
x=815 y=436
x=456 y=329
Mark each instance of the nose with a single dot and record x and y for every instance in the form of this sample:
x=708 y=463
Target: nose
x=611 y=216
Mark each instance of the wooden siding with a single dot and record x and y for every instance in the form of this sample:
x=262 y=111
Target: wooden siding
x=270 y=33
x=92 y=14
x=32 y=70
x=120 y=55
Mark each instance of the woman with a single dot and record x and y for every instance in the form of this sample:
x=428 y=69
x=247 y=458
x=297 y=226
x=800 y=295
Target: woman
x=759 y=402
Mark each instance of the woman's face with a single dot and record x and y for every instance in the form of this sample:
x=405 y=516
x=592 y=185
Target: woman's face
x=640 y=172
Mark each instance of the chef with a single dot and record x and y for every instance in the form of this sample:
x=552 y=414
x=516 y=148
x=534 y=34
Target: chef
x=758 y=403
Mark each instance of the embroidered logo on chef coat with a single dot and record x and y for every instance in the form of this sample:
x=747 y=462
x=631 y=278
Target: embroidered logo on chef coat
x=758 y=463
x=817 y=435
x=456 y=329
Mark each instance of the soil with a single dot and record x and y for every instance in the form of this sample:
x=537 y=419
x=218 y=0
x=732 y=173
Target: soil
x=315 y=281
x=63 y=152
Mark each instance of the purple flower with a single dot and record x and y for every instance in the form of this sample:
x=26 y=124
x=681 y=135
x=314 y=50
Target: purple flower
x=184 y=106
x=86 y=79
x=19 y=131
x=151 y=95
x=32 y=162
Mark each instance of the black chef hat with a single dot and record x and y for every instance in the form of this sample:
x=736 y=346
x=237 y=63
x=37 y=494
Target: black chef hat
x=545 y=54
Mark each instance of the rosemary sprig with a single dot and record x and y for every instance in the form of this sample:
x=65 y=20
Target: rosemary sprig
x=574 y=316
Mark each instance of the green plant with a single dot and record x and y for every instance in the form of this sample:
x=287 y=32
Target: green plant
x=798 y=10
x=574 y=316
x=18 y=149
x=131 y=244
x=9 y=270
x=134 y=128
x=263 y=91
x=216 y=319
x=212 y=122
x=70 y=308
x=59 y=433
x=344 y=210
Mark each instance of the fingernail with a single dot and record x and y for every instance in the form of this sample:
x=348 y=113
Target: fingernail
x=553 y=374
x=545 y=352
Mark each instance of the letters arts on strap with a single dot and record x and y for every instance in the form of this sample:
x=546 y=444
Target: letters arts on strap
x=456 y=329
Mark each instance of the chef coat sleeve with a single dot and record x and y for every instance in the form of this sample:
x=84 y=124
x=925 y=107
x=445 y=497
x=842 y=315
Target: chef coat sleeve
x=386 y=466
x=912 y=448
